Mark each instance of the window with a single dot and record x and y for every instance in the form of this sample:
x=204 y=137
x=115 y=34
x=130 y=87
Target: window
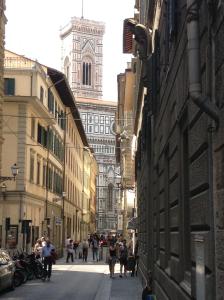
x=50 y=101
x=90 y=118
x=170 y=27
x=96 y=119
x=90 y=129
x=86 y=73
x=110 y=196
x=49 y=178
x=101 y=119
x=107 y=120
x=38 y=172
x=33 y=123
x=56 y=110
x=83 y=117
x=167 y=206
x=101 y=129
x=185 y=199
x=41 y=94
x=31 y=166
x=107 y=130
x=44 y=174
x=96 y=129
x=42 y=135
x=9 y=86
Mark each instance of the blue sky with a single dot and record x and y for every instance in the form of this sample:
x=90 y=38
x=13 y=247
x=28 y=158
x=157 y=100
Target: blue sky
x=33 y=30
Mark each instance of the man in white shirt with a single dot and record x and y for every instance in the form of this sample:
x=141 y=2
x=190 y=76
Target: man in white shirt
x=47 y=257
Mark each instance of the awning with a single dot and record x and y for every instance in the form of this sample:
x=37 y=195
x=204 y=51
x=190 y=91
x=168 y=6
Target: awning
x=133 y=223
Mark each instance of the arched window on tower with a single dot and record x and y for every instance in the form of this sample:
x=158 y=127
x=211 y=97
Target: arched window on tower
x=86 y=73
x=110 y=196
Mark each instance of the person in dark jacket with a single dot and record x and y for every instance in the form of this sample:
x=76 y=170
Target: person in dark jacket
x=123 y=257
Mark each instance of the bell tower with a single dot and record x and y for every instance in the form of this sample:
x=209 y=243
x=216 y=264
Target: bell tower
x=82 y=56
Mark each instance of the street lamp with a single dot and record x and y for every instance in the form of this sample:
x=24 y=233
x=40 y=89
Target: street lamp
x=14 y=170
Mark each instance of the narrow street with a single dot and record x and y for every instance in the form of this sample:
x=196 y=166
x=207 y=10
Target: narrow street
x=78 y=280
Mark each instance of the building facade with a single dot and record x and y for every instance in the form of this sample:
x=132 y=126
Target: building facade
x=82 y=63
x=98 y=118
x=125 y=142
x=178 y=103
x=44 y=136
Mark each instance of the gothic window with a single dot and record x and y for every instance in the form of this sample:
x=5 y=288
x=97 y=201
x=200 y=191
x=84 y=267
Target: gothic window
x=86 y=73
x=110 y=196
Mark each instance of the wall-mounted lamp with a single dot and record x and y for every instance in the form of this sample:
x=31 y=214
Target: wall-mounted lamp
x=14 y=170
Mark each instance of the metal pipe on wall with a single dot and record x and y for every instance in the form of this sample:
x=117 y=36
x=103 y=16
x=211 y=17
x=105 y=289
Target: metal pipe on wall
x=194 y=66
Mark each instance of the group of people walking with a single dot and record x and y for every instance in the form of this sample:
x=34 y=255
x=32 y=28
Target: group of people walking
x=119 y=251
x=81 y=249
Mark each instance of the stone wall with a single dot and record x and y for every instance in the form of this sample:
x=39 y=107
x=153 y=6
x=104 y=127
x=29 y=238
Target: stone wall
x=218 y=149
x=180 y=164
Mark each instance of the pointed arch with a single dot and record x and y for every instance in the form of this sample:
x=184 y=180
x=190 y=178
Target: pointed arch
x=110 y=196
x=87 y=71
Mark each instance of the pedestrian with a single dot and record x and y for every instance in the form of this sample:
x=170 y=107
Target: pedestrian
x=38 y=249
x=47 y=258
x=95 y=246
x=85 y=246
x=75 y=247
x=123 y=257
x=136 y=257
x=131 y=263
x=112 y=258
x=90 y=240
x=70 y=251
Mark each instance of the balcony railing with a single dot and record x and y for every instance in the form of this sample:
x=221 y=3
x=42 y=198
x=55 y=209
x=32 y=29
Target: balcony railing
x=18 y=63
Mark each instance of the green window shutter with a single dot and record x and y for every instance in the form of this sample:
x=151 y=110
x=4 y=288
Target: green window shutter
x=9 y=86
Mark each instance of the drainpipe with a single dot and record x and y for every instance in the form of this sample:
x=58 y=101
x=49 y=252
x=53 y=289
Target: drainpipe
x=194 y=67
